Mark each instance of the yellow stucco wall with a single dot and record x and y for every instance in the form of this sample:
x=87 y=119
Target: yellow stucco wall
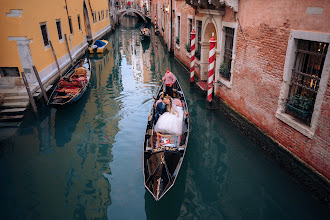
x=28 y=25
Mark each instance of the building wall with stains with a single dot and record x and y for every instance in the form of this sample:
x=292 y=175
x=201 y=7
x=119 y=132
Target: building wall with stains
x=262 y=65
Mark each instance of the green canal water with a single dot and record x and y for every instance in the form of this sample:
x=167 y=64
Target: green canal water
x=84 y=161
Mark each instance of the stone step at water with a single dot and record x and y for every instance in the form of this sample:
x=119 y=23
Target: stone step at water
x=12 y=111
x=16 y=99
x=11 y=118
x=10 y=124
x=15 y=104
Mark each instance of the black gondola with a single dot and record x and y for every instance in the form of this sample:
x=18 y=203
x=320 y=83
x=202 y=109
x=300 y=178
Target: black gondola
x=162 y=160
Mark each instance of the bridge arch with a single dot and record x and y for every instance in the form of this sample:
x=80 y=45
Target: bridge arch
x=135 y=11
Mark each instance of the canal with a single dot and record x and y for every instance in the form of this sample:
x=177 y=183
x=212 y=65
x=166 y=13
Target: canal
x=84 y=161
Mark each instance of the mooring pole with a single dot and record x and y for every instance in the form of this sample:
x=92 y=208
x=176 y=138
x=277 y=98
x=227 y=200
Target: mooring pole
x=33 y=104
x=192 y=58
x=67 y=47
x=44 y=94
x=58 y=67
x=211 y=69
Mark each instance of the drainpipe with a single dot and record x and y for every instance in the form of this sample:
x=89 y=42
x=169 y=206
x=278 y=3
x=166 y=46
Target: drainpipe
x=171 y=35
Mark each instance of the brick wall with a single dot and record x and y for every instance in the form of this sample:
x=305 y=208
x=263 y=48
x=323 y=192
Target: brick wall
x=258 y=74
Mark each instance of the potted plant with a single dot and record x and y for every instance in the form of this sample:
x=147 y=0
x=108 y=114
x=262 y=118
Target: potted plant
x=188 y=48
x=300 y=105
x=224 y=70
x=177 y=40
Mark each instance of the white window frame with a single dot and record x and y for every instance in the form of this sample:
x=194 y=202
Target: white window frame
x=59 y=40
x=48 y=36
x=192 y=24
x=304 y=129
x=70 y=18
x=218 y=77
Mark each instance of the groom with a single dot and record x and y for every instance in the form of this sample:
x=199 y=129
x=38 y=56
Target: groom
x=161 y=107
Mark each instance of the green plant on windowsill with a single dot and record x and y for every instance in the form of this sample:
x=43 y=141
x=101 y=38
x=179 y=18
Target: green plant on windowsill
x=224 y=70
x=301 y=102
x=188 y=48
x=177 y=40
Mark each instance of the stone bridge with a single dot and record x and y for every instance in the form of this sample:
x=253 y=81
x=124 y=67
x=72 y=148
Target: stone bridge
x=138 y=12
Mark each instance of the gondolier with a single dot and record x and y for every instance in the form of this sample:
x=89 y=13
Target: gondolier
x=169 y=79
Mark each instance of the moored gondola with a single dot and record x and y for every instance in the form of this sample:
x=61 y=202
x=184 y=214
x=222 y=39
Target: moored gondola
x=72 y=86
x=163 y=153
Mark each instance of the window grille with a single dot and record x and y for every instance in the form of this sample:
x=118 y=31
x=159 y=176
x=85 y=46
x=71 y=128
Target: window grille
x=305 y=79
x=199 y=39
x=44 y=33
x=189 y=30
x=59 y=30
x=228 y=51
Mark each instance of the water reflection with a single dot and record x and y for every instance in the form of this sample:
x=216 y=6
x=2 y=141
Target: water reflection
x=85 y=161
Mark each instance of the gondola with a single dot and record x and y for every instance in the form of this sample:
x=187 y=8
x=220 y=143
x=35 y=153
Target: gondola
x=72 y=86
x=163 y=154
x=145 y=31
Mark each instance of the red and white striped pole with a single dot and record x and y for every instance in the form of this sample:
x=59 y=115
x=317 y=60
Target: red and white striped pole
x=211 y=68
x=155 y=22
x=192 y=53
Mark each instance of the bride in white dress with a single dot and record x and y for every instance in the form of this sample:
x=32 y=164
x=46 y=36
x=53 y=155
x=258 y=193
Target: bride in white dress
x=171 y=121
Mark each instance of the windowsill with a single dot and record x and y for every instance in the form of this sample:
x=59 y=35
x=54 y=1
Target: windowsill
x=61 y=41
x=188 y=54
x=177 y=46
x=225 y=82
x=47 y=47
x=294 y=123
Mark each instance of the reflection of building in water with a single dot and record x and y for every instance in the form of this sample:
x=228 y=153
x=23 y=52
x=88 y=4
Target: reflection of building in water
x=136 y=59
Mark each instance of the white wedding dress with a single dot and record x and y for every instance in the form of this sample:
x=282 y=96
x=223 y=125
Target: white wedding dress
x=170 y=123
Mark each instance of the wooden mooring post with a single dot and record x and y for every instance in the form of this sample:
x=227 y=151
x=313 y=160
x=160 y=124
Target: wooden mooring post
x=67 y=46
x=33 y=104
x=58 y=67
x=40 y=84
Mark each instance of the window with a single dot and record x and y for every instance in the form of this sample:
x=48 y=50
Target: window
x=305 y=81
x=305 y=78
x=94 y=17
x=199 y=39
x=228 y=52
x=106 y=13
x=9 y=72
x=70 y=25
x=99 y=16
x=178 y=37
x=44 y=32
x=79 y=25
x=189 y=30
x=59 y=30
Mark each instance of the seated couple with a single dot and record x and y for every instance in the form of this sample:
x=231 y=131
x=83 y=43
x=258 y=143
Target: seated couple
x=168 y=117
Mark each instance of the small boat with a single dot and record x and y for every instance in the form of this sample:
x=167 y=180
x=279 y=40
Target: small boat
x=98 y=46
x=163 y=154
x=145 y=31
x=72 y=86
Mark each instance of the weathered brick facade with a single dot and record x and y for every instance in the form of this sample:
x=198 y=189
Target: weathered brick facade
x=261 y=50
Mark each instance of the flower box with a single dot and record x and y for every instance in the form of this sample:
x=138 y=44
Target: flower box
x=298 y=112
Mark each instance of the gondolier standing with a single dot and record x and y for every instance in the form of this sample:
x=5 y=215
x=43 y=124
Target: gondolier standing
x=169 y=80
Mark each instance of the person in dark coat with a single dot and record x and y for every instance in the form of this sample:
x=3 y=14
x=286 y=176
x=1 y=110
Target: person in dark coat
x=161 y=108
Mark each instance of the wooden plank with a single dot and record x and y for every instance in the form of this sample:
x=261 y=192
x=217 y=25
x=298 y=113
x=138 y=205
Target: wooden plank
x=58 y=67
x=40 y=84
x=33 y=104
x=67 y=47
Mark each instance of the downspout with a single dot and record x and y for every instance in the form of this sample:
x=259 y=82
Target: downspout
x=171 y=34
